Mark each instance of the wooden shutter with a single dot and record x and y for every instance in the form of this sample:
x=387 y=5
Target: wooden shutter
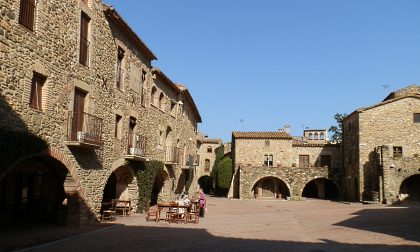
x=36 y=92
x=78 y=111
x=304 y=161
x=84 y=35
x=27 y=13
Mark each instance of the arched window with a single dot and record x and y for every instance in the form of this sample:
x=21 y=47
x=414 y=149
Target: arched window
x=310 y=136
x=209 y=149
x=207 y=165
x=316 y=136
x=153 y=96
x=161 y=104
x=321 y=136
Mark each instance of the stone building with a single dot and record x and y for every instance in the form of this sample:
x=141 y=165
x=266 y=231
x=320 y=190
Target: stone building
x=275 y=165
x=207 y=155
x=381 y=148
x=81 y=106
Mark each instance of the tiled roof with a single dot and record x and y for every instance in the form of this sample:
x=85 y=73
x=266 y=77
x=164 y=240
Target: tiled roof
x=211 y=140
x=262 y=135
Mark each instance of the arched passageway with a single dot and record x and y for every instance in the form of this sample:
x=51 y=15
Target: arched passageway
x=33 y=193
x=117 y=185
x=410 y=189
x=158 y=185
x=270 y=187
x=320 y=188
x=206 y=183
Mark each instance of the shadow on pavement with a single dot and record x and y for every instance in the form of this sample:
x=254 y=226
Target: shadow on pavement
x=400 y=221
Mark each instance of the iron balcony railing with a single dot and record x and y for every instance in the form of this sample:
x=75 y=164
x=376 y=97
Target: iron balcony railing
x=85 y=128
x=84 y=51
x=172 y=154
x=136 y=145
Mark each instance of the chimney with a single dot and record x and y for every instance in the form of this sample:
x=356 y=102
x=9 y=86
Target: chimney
x=286 y=128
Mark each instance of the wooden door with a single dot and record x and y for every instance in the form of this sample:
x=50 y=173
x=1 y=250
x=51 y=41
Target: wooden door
x=268 y=188
x=78 y=112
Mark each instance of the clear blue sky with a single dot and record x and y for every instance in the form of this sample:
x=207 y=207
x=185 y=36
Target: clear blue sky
x=258 y=65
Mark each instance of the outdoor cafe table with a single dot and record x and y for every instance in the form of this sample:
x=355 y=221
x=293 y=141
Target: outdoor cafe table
x=164 y=205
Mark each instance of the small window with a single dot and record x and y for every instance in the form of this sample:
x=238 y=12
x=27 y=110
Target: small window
x=267 y=143
x=209 y=149
x=316 y=136
x=27 y=14
x=268 y=160
x=321 y=136
x=143 y=76
x=397 y=151
x=117 y=126
x=416 y=117
x=36 y=91
x=207 y=165
x=304 y=161
x=120 y=71
x=161 y=104
x=84 y=39
x=310 y=136
x=173 y=108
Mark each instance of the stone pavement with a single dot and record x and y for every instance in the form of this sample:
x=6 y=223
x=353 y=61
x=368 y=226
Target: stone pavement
x=251 y=225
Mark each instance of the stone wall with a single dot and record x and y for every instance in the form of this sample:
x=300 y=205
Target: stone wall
x=251 y=152
x=395 y=171
x=52 y=50
x=389 y=123
x=295 y=178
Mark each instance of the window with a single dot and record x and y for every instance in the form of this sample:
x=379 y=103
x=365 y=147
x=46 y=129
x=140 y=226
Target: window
x=267 y=143
x=120 y=72
x=416 y=117
x=316 y=136
x=27 y=13
x=84 y=39
x=117 y=126
x=310 y=136
x=304 y=161
x=326 y=161
x=173 y=108
x=207 y=165
x=143 y=76
x=321 y=136
x=268 y=160
x=36 y=91
x=153 y=96
x=397 y=151
x=209 y=149
x=161 y=104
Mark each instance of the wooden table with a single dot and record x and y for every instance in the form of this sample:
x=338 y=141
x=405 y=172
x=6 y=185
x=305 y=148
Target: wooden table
x=164 y=205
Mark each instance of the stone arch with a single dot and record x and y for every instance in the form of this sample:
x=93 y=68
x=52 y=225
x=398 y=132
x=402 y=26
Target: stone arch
x=121 y=184
x=161 y=187
x=410 y=188
x=322 y=188
x=206 y=183
x=48 y=184
x=270 y=187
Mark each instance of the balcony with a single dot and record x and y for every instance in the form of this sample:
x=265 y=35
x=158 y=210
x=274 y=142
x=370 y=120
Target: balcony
x=172 y=155
x=136 y=147
x=84 y=130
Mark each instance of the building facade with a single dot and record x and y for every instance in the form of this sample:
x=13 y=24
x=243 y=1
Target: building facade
x=381 y=148
x=275 y=165
x=207 y=154
x=81 y=104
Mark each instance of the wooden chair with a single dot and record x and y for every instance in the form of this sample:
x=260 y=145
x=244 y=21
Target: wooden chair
x=193 y=216
x=173 y=214
x=109 y=211
x=152 y=213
